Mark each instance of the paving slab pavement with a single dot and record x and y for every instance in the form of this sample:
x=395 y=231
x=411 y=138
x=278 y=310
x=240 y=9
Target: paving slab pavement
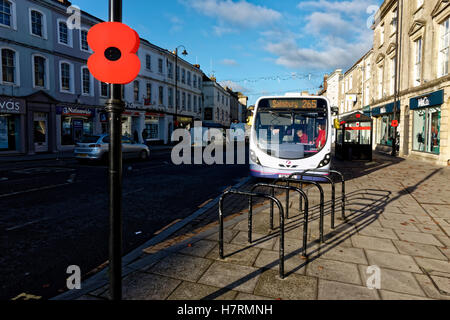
x=390 y=224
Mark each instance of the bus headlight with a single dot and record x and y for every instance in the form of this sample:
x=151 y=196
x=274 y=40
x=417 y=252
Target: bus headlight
x=325 y=161
x=254 y=158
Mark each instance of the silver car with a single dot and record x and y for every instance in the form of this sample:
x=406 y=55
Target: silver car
x=96 y=147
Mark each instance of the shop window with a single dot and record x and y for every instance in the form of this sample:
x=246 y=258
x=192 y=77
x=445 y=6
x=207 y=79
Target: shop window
x=426 y=130
x=73 y=128
x=151 y=131
x=385 y=130
x=9 y=132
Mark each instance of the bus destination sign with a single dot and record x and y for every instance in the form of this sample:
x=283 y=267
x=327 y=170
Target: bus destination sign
x=293 y=103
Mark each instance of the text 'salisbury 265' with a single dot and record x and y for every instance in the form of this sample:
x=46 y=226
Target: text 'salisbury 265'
x=114 y=59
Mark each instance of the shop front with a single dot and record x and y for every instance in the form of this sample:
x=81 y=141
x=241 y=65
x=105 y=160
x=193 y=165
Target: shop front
x=12 y=125
x=426 y=131
x=76 y=122
x=153 y=132
x=184 y=122
x=384 y=132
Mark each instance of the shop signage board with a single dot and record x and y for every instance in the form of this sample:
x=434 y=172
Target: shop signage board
x=12 y=105
x=428 y=100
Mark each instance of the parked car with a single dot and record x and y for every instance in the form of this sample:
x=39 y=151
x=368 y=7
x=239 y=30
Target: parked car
x=96 y=147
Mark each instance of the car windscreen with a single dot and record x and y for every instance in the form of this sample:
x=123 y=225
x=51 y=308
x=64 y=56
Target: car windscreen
x=89 y=139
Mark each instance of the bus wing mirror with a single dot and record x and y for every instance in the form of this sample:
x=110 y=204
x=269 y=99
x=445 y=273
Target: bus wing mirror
x=335 y=110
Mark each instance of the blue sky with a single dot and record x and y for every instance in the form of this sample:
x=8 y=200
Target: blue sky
x=258 y=47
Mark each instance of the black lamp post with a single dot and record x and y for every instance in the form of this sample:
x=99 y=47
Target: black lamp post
x=184 y=53
x=115 y=107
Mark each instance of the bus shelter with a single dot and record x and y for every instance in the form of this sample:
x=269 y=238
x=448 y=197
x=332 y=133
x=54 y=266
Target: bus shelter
x=354 y=137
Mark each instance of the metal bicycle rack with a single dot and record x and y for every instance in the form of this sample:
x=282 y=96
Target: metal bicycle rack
x=250 y=196
x=287 y=188
x=333 y=189
x=288 y=180
x=341 y=176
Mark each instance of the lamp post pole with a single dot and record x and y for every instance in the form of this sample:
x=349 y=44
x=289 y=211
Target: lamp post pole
x=397 y=75
x=176 y=90
x=115 y=107
x=176 y=84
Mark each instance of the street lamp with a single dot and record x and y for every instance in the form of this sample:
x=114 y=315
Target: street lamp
x=184 y=53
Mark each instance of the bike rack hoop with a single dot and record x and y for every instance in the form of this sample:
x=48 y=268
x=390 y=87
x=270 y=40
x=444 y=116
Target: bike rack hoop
x=306 y=212
x=250 y=196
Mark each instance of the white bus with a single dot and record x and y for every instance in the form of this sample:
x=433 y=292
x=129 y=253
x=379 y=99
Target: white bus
x=290 y=134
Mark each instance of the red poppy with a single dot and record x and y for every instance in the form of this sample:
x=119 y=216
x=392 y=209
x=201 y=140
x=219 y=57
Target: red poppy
x=115 y=46
x=394 y=123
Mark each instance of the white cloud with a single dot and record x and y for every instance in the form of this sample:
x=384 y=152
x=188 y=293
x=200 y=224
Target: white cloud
x=241 y=13
x=290 y=55
x=334 y=35
x=229 y=62
x=350 y=7
x=220 y=31
x=234 y=86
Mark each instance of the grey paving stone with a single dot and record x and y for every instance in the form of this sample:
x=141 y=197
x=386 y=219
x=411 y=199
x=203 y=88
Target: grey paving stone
x=334 y=270
x=270 y=260
x=443 y=283
x=250 y=297
x=182 y=267
x=445 y=251
x=418 y=237
x=429 y=287
x=258 y=240
x=392 y=261
x=430 y=228
x=344 y=254
x=444 y=239
x=196 y=291
x=294 y=287
x=389 y=295
x=239 y=254
x=331 y=290
x=401 y=217
x=144 y=286
x=434 y=265
x=397 y=281
x=378 y=232
x=419 y=250
x=232 y=276
x=199 y=249
x=373 y=243
x=228 y=235
x=261 y=223
x=396 y=225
